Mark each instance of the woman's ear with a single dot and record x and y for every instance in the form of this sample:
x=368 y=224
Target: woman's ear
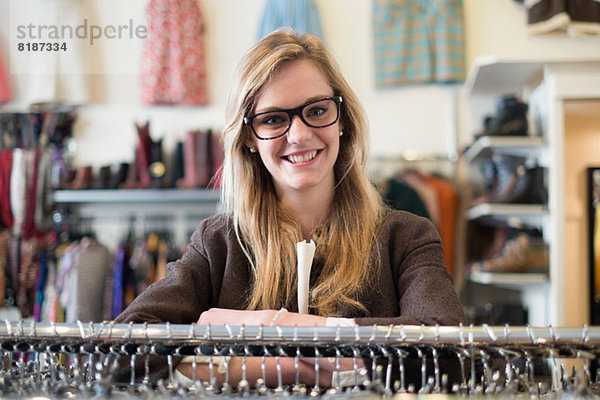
x=251 y=146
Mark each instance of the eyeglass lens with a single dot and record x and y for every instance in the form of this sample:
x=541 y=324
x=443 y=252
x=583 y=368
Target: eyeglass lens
x=317 y=115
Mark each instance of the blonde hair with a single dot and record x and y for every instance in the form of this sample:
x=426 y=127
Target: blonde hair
x=267 y=233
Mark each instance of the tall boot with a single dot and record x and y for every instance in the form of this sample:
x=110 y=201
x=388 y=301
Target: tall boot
x=157 y=166
x=83 y=178
x=132 y=181
x=203 y=157
x=177 y=168
x=119 y=176
x=142 y=152
x=217 y=161
x=189 y=161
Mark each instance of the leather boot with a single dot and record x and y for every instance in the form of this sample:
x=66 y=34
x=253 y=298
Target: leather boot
x=83 y=179
x=157 y=166
x=119 y=176
x=132 y=181
x=518 y=182
x=176 y=165
x=189 y=161
x=217 y=161
x=142 y=152
x=102 y=180
x=203 y=157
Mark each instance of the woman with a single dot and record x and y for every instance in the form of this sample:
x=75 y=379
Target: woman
x=295 y=148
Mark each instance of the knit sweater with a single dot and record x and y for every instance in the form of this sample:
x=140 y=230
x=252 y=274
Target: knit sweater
x=410 y=285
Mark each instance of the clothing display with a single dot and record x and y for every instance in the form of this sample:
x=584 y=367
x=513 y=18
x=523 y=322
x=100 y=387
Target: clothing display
x=443 y=200
x=174 y=56
x=418 y=41
x=300 y=15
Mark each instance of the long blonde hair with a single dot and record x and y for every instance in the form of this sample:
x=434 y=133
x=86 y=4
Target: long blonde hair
x=267 y=233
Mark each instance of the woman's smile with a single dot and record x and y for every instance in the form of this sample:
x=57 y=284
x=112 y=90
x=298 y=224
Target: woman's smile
x=302 y=158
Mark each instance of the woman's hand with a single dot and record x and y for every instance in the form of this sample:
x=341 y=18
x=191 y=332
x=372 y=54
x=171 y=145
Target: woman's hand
x=222 y=316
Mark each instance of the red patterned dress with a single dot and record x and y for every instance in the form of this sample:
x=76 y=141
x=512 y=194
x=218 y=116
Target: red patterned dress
x=173 y=59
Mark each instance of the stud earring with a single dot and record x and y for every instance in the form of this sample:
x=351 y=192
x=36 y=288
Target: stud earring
x=252 y=149
x=341 y=133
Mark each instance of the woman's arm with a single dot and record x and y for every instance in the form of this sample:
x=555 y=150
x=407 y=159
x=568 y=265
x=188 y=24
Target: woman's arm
x=254 y=365
x=424 y=291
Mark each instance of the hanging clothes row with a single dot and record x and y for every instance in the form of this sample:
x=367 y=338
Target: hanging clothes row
x=431 y=193
x=74 y=276
x=30 y=165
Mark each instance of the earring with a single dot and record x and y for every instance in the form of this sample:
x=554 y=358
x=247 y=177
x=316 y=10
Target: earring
x=341 y=133
x=252 y=149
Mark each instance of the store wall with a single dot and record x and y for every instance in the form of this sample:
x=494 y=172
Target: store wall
x=582 y=141
x=419 y=117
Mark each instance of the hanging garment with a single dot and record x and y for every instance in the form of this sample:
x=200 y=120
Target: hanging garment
x=428 y=194
x=66 y=284
x=50 y=299
x=300 y=15
x=174 y=56
x=448 y=205
x=93 y=265
x=18 y=188
x=4 y=87
x=575 y=17
x=402 y=196
x=29 y=229
x=418 y=41
x=40 y=286
x=6 y=157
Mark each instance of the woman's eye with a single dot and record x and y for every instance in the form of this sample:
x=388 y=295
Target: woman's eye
x=272 y=120
x=316 y=111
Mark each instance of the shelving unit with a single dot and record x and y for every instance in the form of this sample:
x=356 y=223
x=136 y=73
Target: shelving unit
x=555 y=298
x=485 y=146
x=112 y=209
x=514 y=215
x=136 y=196
x=518 y=281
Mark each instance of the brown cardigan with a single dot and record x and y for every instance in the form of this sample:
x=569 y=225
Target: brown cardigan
x=411 y=286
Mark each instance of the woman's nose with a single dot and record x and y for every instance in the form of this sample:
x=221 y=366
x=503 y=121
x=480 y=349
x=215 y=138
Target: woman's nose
x=299 y=131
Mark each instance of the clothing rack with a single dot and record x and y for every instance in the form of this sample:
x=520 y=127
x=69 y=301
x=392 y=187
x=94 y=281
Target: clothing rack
x=79 y=360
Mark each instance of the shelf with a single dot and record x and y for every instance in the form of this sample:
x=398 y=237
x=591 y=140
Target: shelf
x=486 y=146
x=515 y=280
x=137 y=196
x=491 y=75
x=514 y=215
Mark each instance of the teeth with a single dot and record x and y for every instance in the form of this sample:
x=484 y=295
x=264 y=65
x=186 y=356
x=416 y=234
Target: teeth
x=302 y=158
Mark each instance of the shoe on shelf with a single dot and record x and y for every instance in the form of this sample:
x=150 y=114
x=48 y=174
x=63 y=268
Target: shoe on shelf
x=83 y=178
x=518 y=182
x=525 y=253
x=510 y=119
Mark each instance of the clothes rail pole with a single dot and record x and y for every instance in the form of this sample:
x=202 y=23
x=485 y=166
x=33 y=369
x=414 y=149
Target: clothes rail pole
x=376 y=335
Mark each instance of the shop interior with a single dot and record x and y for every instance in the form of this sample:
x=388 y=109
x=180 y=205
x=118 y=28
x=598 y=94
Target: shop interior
x=518 y=224
x=486 y=122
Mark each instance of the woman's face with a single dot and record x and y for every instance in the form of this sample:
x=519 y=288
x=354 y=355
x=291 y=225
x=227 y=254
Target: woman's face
x=303 y=159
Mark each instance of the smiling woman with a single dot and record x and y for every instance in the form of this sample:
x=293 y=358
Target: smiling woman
x=296 y=142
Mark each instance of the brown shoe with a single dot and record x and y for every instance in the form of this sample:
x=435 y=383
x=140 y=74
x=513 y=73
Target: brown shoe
x=522 y=254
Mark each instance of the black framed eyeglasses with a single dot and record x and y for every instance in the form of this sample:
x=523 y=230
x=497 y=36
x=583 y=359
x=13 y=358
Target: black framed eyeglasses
x=274 y=124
